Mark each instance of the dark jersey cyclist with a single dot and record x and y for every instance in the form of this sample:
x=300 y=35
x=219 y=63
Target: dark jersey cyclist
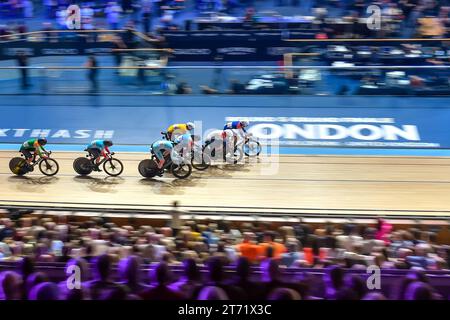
x=97 y=149
x=32 y=147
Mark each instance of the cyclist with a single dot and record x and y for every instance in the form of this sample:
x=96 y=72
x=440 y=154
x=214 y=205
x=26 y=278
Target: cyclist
x=162 y=148
x=98 y=148
x=220 y=139
x=238 y=129
x=35 y=146
x=178 y=129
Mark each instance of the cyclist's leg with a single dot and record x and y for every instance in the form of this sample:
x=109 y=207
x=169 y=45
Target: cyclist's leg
x=158 y=152
x=27 y=154
x=95 y=154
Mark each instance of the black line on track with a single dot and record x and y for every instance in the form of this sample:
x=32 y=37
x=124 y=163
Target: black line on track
x=225 y=207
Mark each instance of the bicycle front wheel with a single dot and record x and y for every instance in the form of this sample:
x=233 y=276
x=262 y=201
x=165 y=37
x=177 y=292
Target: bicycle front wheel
x=181 y=171
x=49 y=167
x=113 y=167
x=252 y=148
x=200 y=161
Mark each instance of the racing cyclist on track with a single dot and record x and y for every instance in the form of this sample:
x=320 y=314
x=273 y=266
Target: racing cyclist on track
x=33 y=146
x=238 y=129
x=178 y=129
x=224 y=138
x=163 y=148
x=99 y=148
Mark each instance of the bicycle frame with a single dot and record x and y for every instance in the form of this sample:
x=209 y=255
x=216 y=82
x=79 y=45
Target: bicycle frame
x=36 y=162
x=104 y=159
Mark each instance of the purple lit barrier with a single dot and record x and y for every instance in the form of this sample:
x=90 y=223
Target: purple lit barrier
x=390 y=278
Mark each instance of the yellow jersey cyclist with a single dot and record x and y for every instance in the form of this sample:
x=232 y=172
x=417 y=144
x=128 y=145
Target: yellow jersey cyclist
x=179 y=129
x=32 y=147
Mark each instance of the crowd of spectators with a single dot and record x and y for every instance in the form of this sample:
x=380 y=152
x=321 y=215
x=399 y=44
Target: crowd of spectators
x=405 y=18
x=190 y=244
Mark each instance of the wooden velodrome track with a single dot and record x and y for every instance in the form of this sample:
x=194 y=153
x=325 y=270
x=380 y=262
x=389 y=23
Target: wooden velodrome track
x=305 y=184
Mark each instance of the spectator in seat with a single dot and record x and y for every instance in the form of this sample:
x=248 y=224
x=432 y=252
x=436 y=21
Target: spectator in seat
x=217 y=279
x=248 y=248
x=113 y=11
x=33 y=280
x=334 y=281
x=271 y=277
x=292 y=255
x=383 y=230
x=160 y=289
x=357 y=284
x=44 y=291
x=190 y=281
x=129 y=273
x=419 y=291
x=75 y=294
x=252 y=290
x=26 y=268
x=10 y=283
x=269 y=241
x=101 y=282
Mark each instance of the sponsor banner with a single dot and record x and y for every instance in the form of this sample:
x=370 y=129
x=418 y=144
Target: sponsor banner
x=331 y=122
x=199 y=51
x=232 y=45
x=36 y=49
x=269 y=45
x=253 y=46
x=236 y=51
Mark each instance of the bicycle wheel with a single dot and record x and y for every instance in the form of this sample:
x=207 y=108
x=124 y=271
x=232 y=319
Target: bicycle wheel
x=113 y=167
x=16 y=165
x=252 y=148
x=147 y=168
x=82 y=166
x=49 y=167
x=181 y=171
x=200 y=161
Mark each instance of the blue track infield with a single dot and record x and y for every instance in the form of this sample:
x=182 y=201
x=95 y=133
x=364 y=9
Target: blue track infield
x=282 y=150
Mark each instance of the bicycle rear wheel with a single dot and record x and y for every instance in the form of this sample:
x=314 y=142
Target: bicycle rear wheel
x=17 y=166
x=147 y=168
x=82 y=166
x=113 y=167
x=49 y=167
